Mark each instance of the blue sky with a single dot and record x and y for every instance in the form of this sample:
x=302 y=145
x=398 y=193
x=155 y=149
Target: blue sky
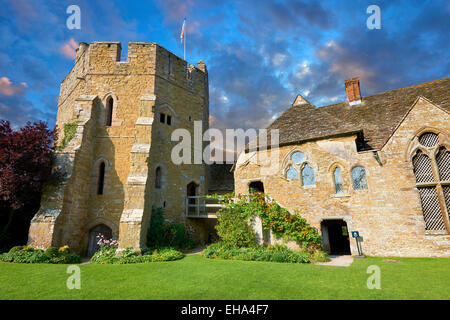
x=260 y=54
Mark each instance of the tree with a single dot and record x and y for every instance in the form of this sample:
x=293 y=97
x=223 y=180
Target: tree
x=26 y=158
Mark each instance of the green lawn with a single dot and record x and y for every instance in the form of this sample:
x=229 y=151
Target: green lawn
x=195 y=277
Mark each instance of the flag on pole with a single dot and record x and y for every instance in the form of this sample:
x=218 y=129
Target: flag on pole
x=182 y=30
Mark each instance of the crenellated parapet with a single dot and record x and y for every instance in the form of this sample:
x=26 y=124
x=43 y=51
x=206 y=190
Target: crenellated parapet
x=144 y=58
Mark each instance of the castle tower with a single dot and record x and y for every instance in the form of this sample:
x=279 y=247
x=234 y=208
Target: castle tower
x=115 y=121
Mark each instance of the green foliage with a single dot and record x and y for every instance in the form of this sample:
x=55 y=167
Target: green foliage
x=69 y=132
x=319 y=256
x=106 y=254
x=164 y=233
x=30 y=255
x=277 y=253
x=233 y=227
x=16 y=249
x=127 y=256
x=51 y=252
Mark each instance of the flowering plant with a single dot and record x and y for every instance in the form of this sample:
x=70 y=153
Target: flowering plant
x=106 y=243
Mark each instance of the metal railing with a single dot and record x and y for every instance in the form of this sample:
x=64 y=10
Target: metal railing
x=201 y=207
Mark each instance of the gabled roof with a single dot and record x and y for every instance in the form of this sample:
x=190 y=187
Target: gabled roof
x=376 y=117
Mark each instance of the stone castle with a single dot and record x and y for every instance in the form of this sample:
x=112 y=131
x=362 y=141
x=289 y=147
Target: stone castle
x=118 y=164
x=379 y=165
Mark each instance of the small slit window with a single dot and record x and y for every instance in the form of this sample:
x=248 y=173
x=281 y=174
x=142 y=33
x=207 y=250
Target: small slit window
x=162 y=118
x=109 y=111
x=169 y=120
x=101 y=178
x=359 y=178
x=158 y=178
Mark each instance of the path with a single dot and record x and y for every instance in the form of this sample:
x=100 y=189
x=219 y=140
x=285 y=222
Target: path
x=338 y=261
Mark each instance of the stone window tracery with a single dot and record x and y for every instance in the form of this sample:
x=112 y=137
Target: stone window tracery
x=431 y=166
x=296 y=167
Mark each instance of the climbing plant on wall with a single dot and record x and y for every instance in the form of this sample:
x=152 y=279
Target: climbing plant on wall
x=69 y=132
x=235 y=217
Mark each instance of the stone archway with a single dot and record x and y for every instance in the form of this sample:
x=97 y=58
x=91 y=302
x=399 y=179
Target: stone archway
x=94 y=233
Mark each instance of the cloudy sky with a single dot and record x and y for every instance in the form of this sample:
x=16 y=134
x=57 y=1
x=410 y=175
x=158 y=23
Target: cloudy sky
x=259 y=54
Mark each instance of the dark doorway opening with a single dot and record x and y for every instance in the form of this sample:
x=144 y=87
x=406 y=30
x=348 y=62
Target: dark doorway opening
x=94 y=237
x=256 y=186
x=192 y=192
x=335 y=237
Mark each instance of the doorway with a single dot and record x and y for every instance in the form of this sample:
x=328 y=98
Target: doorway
x=335 y=237
x=256 y=186
x=191 y=191
x=94 y=236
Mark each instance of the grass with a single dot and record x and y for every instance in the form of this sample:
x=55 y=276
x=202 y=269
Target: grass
x=195 y=277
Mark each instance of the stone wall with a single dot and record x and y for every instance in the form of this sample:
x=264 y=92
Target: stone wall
x=151 y=81
x=388 y=215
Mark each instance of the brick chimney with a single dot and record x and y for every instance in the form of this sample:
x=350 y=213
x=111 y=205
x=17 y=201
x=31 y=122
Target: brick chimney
x=353 y=92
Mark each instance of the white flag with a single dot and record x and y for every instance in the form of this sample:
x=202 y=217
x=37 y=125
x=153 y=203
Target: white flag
x=182 y=30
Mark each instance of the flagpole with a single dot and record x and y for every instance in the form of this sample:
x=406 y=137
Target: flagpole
x=184 y=40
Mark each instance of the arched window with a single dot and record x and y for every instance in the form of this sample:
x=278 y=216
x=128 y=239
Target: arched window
x=158 y=178
x=291 y=173
x=109 y=111
x=101 y=178
x=338 y=183
x=298 y=157
x=308 y=176
x=432 y=171
x=359 y=178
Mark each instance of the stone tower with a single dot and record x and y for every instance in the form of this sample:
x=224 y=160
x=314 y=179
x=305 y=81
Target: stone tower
x=117 y=161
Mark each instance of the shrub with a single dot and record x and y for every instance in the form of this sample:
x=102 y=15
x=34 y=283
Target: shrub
x=233 y=225
x=65 y=249
x=164 y=233
x=52 y=252
x=129 y=256
x=223 y=250
x=30 y=255
x=16 y=249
